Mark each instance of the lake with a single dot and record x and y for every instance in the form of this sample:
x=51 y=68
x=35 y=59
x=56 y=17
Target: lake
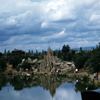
x=40 y=88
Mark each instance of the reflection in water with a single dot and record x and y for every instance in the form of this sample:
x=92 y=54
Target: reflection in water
x=82 y=86
x=39 y=88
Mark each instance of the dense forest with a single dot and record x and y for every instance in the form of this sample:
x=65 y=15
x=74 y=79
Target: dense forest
x=87 y=59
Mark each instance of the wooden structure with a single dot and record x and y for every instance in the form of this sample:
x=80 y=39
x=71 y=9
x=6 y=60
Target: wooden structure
x=18 y=52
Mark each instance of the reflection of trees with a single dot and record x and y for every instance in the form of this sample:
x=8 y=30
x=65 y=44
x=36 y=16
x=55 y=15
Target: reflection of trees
x=82 y=86
x=17 y=83
x=79 y=87
x=20 y=82
x=48 y=83
x=3 y=81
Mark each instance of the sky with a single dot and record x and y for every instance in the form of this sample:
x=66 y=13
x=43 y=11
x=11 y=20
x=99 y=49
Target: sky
x=31 y=24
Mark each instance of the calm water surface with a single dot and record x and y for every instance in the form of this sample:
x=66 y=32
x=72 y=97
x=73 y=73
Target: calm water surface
x=39 y=88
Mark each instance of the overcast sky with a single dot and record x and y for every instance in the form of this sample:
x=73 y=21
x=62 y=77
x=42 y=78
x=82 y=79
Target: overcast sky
x=30 y=24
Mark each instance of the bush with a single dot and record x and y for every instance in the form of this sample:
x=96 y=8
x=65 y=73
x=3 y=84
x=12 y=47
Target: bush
x=3 y=65
x=61 y=75
x=32 y=73
x=45 y=73
x=41 y=74
x=17 y=69
x=91 y=86
x=86 y=78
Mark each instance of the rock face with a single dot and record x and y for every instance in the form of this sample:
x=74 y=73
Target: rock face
x=29 y=60
x=49 y=61
x=65 y=66
x=23 y=60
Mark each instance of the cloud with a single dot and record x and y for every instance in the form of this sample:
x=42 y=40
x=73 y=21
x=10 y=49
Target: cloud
x=58 y=21
x=54 y=36
x=63 y=92
x=66 y=91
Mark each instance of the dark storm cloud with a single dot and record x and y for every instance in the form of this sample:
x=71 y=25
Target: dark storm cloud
x=30 y=22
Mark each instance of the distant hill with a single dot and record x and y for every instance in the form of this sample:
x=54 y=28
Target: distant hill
x=85 y=48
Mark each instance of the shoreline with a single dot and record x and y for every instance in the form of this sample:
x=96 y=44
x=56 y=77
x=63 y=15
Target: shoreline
x=70 y=74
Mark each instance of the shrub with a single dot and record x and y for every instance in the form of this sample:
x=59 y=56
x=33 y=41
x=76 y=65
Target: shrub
x=91 y=86
x=86 y=78
x=61 y=75
x=17 y=69
x=41 y=74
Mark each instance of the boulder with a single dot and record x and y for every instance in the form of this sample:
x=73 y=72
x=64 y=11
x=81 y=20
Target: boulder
x=35 y=60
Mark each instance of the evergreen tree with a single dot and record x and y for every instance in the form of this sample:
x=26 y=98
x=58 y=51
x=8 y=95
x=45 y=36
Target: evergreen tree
x=3 y=65
x=32 y=52
x=81 y=49
x=15 y=60
x=65 y=49
x=29 y=52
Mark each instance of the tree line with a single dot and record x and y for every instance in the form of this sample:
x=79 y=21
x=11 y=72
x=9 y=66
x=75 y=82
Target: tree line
x=82 y=58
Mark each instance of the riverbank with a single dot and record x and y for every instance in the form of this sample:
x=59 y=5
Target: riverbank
x=81 y=74
x=70 y=74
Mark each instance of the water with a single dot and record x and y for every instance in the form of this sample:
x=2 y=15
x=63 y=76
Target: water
x=39 y=88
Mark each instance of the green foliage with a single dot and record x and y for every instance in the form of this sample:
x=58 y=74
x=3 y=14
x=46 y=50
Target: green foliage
x=86 y=78
x=81 y=49
x=18 y=68
x=15 y=60
x=91 y=86
x=9 y=53
x=79 y=60
x=82 y=59
x=61 y=75
x=41 y=74
x=45 y=73
x=0 y=69
x=17 y=83
x=93 y=61
x=80 y=87
x=3 y=81
x=25 y=65
x=54 y=53
x=3 y=65
x=37 y=55
x=65 y=54
x=65 y=49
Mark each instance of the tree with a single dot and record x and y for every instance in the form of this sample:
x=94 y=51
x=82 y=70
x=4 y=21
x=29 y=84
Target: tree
x=54 y=53
x=79 y=60
x=5 y=51
x=95 y=62
x=69 y=56
x=81 y=49
x=15 y=60
x=29 y=52
x=95 y=59
x=26 y=65
x=59 y=53
x=32 y=52
x=72 y=52
x=3 y=65
x=8 y=53
x=65 y=49
x=36 y=51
